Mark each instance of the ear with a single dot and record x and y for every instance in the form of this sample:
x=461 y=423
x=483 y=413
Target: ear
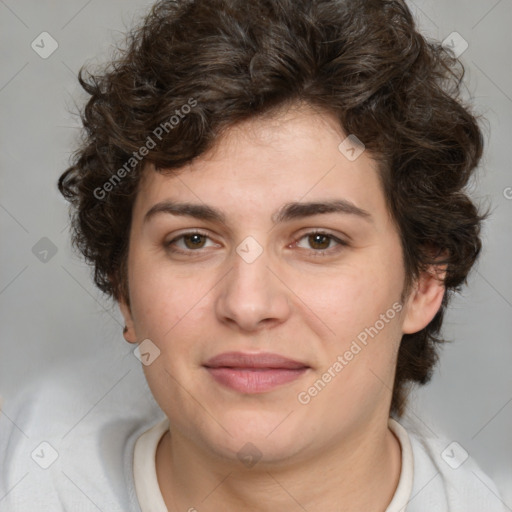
x=129 y=331
x=424 y=300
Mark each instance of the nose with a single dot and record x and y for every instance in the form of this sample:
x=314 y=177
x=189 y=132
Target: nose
x=252 y=296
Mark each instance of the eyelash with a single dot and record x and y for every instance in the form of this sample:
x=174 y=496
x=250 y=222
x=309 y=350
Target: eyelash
x=314 y=252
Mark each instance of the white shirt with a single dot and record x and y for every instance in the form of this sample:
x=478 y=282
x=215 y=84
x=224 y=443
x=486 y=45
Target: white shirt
x=151 y=500
x=99 y=453
x=433 y=490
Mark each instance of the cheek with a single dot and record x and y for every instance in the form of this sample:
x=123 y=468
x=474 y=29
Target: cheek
x=351 y=298
x=168 y=303
x=359 y=364
x=361 y=306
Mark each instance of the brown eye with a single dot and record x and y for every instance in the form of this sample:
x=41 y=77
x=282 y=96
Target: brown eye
x=194 y=241
x=188 y=243
x=320 y=243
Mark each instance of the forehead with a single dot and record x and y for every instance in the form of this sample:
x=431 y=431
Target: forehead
x=267 y=161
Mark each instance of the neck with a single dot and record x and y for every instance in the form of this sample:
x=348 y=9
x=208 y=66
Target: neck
x=361 y=472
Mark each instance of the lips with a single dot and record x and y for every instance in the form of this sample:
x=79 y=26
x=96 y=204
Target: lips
x=254 y=373
x=257 y=361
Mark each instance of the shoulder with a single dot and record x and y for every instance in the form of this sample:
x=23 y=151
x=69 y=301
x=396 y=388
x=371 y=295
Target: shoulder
x=446 y=477
x=68 y=440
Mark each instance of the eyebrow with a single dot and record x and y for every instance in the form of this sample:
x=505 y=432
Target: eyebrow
x=289 y=211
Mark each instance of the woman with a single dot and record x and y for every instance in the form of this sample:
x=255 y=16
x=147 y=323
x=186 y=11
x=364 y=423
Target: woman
x=273 y=194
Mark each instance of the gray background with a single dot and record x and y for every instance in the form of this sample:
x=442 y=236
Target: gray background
x=51 y=315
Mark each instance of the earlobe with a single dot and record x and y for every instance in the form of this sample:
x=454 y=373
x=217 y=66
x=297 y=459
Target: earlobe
x=424 y=301
x=129 y=328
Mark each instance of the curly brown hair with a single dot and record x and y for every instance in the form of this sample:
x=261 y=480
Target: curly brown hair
x=194 y=68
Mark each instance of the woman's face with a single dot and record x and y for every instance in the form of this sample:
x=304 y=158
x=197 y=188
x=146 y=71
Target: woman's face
x=242 y=271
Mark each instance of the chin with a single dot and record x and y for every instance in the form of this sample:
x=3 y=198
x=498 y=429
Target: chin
x=263 y=436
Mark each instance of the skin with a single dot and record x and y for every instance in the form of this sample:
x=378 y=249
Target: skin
x=337 y=449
